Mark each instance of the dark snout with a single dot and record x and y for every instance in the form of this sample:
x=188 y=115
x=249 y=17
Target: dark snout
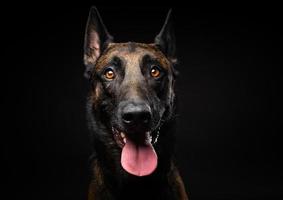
x=135 y=115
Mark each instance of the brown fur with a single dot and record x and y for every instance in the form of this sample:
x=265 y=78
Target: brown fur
x=131 y=55
x=133 y=84
x=123 y=51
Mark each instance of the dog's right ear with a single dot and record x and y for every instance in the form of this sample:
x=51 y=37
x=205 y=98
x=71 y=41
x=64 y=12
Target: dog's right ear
x=96 y=40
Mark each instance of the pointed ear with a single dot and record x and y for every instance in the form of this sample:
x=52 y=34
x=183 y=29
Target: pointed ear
x=165 y=40
x=96 y=40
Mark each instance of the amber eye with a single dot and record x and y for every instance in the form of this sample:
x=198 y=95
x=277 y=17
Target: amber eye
x=109 y=74
x=155 y=72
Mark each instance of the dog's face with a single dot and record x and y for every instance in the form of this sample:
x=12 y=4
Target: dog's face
x=135 y=80
x=132 y=91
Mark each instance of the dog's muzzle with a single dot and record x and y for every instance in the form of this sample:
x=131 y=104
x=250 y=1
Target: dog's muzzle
x=134 y=136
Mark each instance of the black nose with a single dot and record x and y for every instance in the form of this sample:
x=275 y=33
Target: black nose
x=136 y=114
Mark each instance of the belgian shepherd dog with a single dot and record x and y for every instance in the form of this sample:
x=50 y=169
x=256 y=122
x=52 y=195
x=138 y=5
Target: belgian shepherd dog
x=130 y=112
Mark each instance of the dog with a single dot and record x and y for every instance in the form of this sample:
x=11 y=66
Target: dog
x=130 y=112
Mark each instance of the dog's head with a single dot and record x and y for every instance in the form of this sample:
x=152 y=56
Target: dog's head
x=132 y=90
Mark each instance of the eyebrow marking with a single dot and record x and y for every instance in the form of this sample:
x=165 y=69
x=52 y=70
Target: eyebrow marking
x=127 y=52
x=147 y=59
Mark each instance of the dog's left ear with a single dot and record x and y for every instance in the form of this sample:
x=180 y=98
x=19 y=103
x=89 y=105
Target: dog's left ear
x=165 y=40
x=97 y=39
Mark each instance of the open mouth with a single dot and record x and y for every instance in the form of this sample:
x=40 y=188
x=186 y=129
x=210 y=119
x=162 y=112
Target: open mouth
x=138 y=154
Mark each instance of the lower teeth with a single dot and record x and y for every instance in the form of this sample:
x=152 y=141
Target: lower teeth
x=122 y=136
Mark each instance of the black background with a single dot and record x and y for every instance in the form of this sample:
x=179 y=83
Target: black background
x=228 y=144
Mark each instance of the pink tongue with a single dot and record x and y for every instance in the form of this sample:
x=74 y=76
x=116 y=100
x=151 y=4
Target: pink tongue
x=138 y=159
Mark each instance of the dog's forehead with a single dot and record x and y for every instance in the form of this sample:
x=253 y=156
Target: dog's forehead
x=132 y=51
